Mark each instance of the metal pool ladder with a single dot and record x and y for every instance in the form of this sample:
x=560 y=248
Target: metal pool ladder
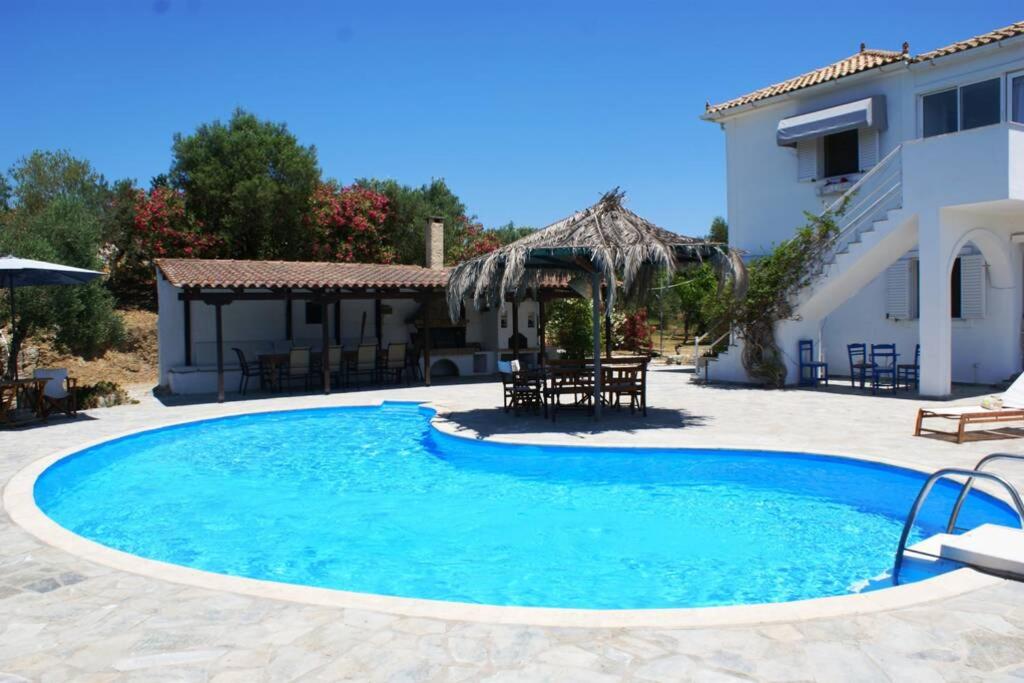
x=972 y=474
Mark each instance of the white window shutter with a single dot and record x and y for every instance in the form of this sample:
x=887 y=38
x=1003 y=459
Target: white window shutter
x=807 y=160
x=972 y=286
x=897 y=290
x=867 y=140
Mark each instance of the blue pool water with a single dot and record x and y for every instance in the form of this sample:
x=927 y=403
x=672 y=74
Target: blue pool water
x=374 y=500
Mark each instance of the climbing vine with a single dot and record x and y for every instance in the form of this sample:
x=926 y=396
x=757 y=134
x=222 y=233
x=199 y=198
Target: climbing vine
x=773 y=283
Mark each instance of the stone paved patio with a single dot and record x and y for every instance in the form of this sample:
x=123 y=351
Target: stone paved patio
x=62 y=618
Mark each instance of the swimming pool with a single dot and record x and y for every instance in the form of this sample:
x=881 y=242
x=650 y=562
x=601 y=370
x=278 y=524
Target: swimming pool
x=375 y=500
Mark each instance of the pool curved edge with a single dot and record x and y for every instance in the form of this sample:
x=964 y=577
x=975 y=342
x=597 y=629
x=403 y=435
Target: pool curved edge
x=19 y=502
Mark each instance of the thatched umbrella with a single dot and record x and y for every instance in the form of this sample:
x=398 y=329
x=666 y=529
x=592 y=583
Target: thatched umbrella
x=606 y=241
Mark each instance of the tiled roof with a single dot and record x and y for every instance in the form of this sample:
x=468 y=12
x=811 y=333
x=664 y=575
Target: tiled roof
x=865 y=60
x=1010 y=31
x=862 y=61
x=297 y=274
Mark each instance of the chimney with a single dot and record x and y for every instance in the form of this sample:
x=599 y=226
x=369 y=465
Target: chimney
x=435 y=243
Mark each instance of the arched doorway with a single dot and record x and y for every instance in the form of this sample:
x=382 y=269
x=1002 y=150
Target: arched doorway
x=985 y=334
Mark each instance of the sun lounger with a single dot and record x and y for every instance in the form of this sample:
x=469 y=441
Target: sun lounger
x=1012 y=410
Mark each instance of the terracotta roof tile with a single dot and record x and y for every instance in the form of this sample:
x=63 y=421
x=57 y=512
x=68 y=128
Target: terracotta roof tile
x=1010 y=31
x=297 y=274
x=864 y=60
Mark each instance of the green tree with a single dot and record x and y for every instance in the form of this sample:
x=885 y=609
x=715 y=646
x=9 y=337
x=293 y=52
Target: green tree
x=249 y=182
x=510 y=232
x=43 y=176
x=569 y=326
x=408 y=211
x=692 y=289
x=719 y=231
x=59 y=211
x=66 y=230
x=6 y=194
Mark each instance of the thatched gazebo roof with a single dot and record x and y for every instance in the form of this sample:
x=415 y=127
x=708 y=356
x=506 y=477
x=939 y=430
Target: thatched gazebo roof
x=606 y=237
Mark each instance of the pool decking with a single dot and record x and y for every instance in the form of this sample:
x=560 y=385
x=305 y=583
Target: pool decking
x=64 y=618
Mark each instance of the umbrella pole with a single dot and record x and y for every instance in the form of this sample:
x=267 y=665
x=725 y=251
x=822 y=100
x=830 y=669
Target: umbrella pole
x=596 y=293
x=13 y=369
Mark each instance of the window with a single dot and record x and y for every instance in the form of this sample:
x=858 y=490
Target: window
x=963 y=108
x=979 y=104
x=940 y=113
x=313 y=314
x=1016 y=89
x=504 y=320
x=956 y=291
x=841 y=153
x=901 y=290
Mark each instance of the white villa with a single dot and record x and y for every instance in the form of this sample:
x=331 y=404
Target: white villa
x=929 y=148
x=267 y=307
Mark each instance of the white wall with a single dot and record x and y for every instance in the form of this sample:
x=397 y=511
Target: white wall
x=986 y=350
x=766 y=201
x=979 y=172
x=170 y=327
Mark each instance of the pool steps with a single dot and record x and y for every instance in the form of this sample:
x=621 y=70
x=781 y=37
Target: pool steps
x=991 y=548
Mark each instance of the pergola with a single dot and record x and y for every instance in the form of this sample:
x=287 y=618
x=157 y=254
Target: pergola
x=219 y=283
x=605 y=243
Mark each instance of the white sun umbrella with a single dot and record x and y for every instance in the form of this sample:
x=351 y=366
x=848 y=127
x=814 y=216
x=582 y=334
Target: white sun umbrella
x=23 y=272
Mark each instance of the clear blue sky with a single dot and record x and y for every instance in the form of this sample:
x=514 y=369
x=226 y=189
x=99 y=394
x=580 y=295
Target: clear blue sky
x=528 y=109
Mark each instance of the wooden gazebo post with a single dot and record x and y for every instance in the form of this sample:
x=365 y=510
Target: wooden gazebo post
x=325 y=357
x=426 y=340
x=595 y=285
x=220 y=353
x=515 y=328
x=541 y=332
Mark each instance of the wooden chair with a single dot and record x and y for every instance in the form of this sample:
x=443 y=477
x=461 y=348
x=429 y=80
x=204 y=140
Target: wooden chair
x=58 y=392
x=570 y=380
x=335 y=366
x=910 y=372
x=394 y=364
x=527 y=392
x=299 y=367
x=412 y=364
x=883 y=365
x=627 y=381
x=505 y=370
x=812 y=372
x=366 y=362
x=860 y=367
x=8 y=403
x=247 y=371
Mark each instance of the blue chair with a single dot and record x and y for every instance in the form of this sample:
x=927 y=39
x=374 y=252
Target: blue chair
x=910 y=372
x=860 y=367
x=812 y=372
x=883 y=362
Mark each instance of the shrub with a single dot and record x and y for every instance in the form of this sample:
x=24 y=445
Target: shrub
x=103 y=394
x=637 y=332
x=773 y=283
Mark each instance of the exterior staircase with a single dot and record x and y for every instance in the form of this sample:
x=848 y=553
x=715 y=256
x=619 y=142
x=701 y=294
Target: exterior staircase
x=874 y=231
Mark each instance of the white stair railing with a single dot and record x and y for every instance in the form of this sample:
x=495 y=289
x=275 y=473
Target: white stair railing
x=879 y=191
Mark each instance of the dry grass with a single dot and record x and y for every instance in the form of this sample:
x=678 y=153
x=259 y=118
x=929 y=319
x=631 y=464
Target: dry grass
x=133 y=365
